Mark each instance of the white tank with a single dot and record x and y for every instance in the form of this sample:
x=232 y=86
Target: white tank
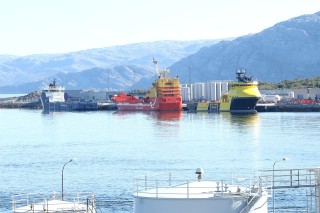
x=222 y=196
x=271 y=98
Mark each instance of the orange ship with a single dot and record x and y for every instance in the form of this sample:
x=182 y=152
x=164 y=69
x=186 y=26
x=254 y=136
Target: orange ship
x=164 y=95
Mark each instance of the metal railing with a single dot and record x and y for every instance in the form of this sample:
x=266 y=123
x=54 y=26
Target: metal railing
x=290 y=178
x=303 y=178
x=158 y=187
x=79 y=202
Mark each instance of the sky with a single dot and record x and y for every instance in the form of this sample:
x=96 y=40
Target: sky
x=59 y=26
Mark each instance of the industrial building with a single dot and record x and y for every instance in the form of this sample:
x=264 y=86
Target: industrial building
x=304 y=93
x=210 y=91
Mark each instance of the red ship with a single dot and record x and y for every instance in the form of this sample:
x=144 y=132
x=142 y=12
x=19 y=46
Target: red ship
x=164 y=95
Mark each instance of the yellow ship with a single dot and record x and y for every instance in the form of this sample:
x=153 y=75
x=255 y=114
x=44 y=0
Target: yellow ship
x=242 y=96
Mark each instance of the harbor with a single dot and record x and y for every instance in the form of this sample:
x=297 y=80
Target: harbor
x=152 y=143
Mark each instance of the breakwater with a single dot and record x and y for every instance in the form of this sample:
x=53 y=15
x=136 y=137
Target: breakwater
x=29 y=101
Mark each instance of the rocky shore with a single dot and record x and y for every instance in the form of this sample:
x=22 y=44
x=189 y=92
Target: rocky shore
x=29 y=101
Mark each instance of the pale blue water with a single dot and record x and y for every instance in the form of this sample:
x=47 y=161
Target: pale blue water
x=111 y=148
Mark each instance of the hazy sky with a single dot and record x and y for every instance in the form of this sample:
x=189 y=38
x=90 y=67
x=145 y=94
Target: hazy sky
x=57 y=26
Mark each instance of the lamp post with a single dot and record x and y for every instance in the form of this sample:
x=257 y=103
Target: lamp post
x=62 y=178
x=283 y=159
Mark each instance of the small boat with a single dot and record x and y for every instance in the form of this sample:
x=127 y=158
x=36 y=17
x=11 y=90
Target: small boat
x=164 y=95
x=54 y=99
x=158 y=195
x=36 y=203
x=242 y=96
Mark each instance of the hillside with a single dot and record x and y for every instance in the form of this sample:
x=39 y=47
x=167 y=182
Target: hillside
x=291 y=84
x=288 y=50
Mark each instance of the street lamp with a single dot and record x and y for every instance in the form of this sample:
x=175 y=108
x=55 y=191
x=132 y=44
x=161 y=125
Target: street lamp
x=62 y=178
x=283 y=159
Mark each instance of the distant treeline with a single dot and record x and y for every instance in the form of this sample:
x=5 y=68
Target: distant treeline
x=291 y=84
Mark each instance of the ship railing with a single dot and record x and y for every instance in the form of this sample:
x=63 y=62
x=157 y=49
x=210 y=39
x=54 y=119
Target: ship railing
x=27 y=202
x=157 y=187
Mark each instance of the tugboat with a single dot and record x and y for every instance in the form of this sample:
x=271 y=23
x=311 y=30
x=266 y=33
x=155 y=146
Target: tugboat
x=53 y=99
x=164 y=95
x=242 y=96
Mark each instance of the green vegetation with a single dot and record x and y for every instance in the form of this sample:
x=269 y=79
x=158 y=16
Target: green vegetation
x=291 y=84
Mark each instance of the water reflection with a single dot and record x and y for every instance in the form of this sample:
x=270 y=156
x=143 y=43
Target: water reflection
x=161 y=116
x=242 y=119
x=167 y=116
x=245 y=124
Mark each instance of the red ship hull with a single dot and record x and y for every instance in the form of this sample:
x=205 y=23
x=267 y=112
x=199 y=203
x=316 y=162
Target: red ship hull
x=130 y=103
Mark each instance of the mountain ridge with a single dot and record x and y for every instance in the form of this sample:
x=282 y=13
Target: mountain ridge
x=287 y=50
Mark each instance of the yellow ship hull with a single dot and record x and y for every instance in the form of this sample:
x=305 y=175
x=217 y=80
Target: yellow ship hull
x=241 y=98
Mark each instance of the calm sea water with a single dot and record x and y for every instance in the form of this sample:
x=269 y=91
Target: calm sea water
x=111 y=148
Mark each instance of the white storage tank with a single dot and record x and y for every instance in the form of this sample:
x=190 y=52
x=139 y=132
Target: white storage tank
x=218 y=91
x=185 y=92
x=211 y=91
x=271 y=98
x=198 y=91
x=291 y=94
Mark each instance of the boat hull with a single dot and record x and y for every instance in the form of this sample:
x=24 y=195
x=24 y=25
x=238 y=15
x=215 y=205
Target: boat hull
x=157 y=104
x=241 y=98
x=67 y=105
x=243 y=105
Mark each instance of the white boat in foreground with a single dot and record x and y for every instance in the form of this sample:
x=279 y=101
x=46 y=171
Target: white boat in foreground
x=222 y=196
x=35 y=203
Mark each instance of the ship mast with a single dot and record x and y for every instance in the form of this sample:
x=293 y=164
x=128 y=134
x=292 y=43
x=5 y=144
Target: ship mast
x=165 y=73
x=156 y=66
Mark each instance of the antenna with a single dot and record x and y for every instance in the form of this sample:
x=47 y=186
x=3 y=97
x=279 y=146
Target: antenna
x=189 y=74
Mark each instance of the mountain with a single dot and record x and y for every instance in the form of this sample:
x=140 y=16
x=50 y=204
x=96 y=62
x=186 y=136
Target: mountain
x=288 y=50
x=16 y=70
x=118 y=78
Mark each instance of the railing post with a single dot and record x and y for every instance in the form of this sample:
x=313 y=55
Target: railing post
x=47 y=205
x=87 y=204
x=222 y=189
x=260 y=186
x=187 y=189
x=157 y=188
x=137 y=187
x=13 y=204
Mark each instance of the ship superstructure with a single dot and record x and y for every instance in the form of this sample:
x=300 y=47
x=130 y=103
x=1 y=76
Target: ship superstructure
x=164 y=95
